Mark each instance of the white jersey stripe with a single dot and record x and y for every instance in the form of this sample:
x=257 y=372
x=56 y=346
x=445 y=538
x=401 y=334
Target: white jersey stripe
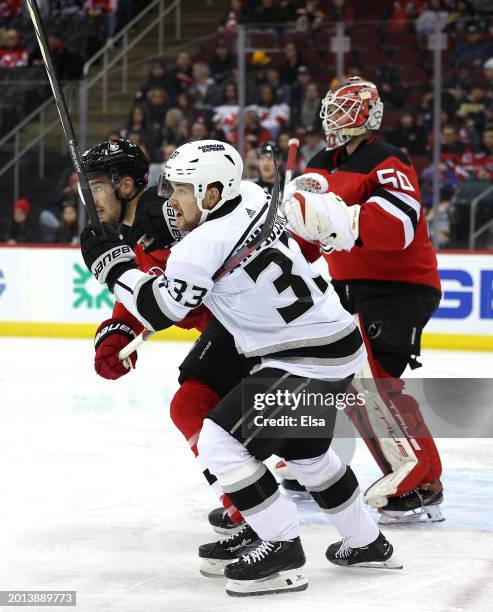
x=396 y=212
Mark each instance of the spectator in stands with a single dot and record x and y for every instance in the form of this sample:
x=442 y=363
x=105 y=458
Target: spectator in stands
x=479 y=164
x=313 y=143
x=472 y=108
x=282 y=90
x=137 y=123
x=12 y=53
x=390 y=86
x=68 y=65
x=226 y=114
x=433 y=13
x=67 y=7
x=229 y=24
x=157 y=77
x=106 y=9
x=292 y=61
x=273 y=116
x=68 y=230
x=198 y=131
x=475 y=50
x=340 y=11
x=250 y=169
x=137 y=140
x=22 y=228
x=303 y=78
x=9 y=9
x=452 y=149
x=175 y=128
x=181 y=76
x=185 y=103
x=462 y=14
x=488 y=76
x=222 y=63
x=156 y=168
x=310 y=107
x=203 y=88
x=309 y=17
x=255 y=133
x=409 y=136
x=155 y=107
x=264 y=13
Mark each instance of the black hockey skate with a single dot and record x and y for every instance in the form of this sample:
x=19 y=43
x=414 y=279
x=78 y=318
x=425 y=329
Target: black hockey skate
x=216 y=555
x=267 y=568
x=221 y=522
x=378 y=554
x=419 y=506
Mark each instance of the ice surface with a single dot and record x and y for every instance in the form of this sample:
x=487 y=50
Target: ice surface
x=101 y=495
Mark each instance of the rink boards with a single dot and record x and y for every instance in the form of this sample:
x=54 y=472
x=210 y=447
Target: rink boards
x=47 y=291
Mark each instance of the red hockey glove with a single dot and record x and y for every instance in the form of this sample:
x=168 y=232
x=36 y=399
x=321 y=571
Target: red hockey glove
x=112 y=335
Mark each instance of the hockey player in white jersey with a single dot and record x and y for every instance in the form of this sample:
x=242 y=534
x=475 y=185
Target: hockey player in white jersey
x=290 y=323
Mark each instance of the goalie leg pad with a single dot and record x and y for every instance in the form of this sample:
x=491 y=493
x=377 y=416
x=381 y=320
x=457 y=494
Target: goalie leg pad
x=395 y=433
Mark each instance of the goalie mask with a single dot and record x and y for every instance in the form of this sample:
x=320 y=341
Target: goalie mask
x=201 y=164
x=352 y=109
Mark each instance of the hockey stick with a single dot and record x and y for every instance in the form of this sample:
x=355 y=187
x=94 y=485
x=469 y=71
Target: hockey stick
x=293 y=146
x=235 y=259
x=68 y=130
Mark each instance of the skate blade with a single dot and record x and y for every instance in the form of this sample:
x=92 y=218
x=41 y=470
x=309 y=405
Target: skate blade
x=214 y=568
x=429 y=514
x=283 y=582
x=392 y=563
x=226 y=531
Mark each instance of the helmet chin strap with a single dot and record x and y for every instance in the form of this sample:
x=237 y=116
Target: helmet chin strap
x=124 y=201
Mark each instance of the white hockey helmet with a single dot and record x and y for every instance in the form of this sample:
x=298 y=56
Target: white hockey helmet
x=350 y=110
x=202 y=163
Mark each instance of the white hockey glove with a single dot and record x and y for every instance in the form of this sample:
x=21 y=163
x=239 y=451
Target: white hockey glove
x=323 y=217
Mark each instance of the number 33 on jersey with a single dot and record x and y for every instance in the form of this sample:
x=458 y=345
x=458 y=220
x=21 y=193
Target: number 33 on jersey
x=273 y=303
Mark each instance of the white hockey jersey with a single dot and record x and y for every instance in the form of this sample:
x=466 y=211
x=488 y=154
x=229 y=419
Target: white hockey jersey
x=274 y=304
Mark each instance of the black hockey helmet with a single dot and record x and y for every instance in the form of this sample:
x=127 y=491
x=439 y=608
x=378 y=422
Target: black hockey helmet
x=116 y=159
x=268 y=148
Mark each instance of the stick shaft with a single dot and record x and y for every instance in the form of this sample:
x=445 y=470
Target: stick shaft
x=66 y=122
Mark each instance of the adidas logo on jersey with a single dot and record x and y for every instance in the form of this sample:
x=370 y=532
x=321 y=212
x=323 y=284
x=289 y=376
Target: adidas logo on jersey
x=250 y=212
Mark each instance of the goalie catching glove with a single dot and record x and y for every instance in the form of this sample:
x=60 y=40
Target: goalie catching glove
x=323 y=217
x=112 y=335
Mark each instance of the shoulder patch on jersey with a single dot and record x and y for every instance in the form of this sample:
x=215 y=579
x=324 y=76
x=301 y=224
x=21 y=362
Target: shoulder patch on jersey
x=365 y=159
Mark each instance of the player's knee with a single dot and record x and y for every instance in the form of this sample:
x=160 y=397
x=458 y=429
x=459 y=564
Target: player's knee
x=312 y=472
x=210 y=438
x=219 y=451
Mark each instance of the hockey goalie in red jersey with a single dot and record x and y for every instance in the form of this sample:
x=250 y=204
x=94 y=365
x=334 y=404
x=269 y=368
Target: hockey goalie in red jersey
x=358 y=202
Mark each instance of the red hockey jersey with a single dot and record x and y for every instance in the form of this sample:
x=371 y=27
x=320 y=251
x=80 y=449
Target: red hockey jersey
x=155 y=263
x=393 y=243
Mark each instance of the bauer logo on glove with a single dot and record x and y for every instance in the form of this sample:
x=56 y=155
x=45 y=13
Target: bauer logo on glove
x=105 y=254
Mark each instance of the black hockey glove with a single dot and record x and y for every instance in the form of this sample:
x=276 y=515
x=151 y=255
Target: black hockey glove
x=155 y=226
x=107 y=256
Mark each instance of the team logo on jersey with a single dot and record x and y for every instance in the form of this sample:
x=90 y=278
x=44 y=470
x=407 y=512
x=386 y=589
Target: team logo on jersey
x=374 y=329
x=114 y=147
